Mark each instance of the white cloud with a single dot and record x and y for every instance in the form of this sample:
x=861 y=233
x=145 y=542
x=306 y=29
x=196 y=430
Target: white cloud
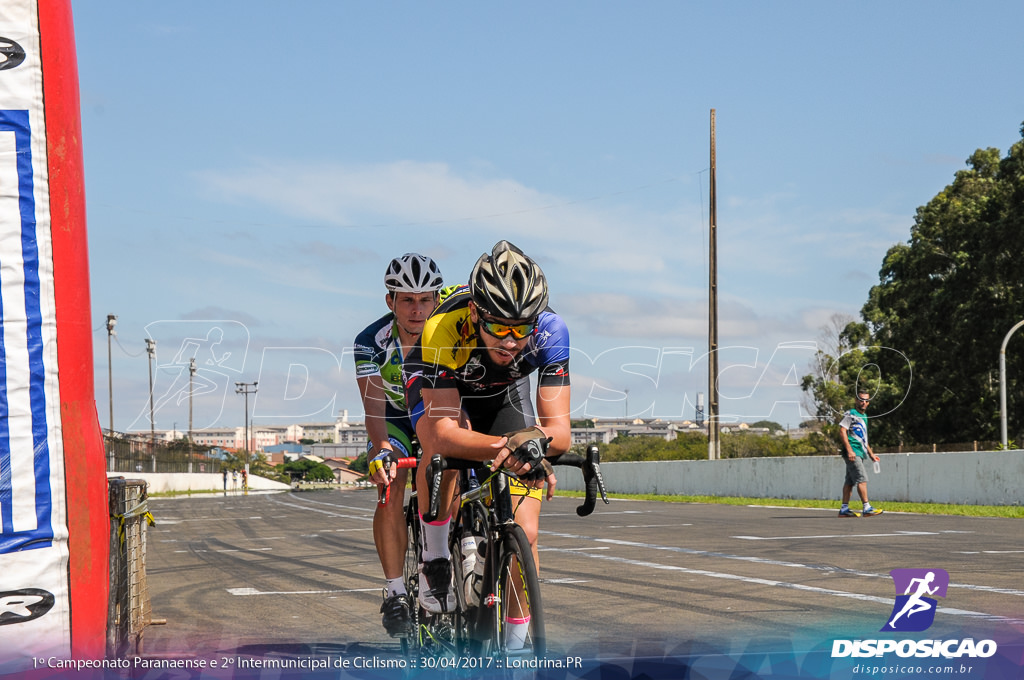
x=434 y=197
x=622 y=275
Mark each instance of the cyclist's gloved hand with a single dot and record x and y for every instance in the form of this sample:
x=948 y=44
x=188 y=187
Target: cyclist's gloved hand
x=528 y=445
x=382 y=466
x=536 y=478
x=537 y=475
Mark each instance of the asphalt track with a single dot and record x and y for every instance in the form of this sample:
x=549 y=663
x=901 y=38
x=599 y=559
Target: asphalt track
x=297 y=574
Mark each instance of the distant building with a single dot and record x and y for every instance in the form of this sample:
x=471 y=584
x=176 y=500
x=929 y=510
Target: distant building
x=318 y=432
x=343 y=474
x=285 y=447
x=343 y=439
x=343 y=450
x=228 y=438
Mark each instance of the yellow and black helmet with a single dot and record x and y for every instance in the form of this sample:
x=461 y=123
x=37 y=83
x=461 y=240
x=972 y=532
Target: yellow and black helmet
x=508 y=285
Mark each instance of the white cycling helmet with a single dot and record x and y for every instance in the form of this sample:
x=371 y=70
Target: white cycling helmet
x=413 y=273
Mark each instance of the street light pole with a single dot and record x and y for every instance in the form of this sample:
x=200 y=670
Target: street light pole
x=243 y=388
x=1002 y=382
x=191 y=373
x=151 y=351
x=111 y=322
x=714 y=442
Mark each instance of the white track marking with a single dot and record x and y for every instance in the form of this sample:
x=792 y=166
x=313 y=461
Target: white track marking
x=761 y=560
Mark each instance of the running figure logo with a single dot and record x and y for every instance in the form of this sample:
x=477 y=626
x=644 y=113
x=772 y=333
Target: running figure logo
x=913 y=610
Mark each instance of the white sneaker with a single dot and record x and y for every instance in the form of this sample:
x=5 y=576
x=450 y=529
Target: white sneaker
x=437 y=595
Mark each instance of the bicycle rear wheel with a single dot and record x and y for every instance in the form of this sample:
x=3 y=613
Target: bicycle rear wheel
x=517 y=611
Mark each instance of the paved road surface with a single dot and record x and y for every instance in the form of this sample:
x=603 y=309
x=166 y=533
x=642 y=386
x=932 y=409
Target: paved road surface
x=296 y=573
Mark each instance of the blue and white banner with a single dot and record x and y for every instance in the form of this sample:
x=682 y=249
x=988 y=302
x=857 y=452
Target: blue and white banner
x=34 y=589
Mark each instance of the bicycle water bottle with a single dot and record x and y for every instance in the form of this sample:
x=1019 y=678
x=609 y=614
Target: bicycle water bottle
x=468 y=547
x=877 y=467
x=478 y=568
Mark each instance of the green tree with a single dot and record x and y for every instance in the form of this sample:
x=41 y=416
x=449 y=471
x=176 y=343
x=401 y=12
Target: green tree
x=360 y=464
x=259 y=464
x=694 y=446
x=772 y=426
x=828 y=387
x=309 y=470
x=686 y=446
x=943 y=304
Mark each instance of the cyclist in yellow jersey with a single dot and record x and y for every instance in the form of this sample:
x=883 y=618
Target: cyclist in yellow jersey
x=464 y=391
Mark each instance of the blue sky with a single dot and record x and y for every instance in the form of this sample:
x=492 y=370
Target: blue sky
x=251 y=167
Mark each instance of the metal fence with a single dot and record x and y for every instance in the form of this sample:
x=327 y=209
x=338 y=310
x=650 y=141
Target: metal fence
x=128 y=609
x=948 y=447
x=130 y=453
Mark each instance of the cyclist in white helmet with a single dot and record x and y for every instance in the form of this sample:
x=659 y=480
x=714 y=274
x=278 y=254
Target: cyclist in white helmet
x=413 y=283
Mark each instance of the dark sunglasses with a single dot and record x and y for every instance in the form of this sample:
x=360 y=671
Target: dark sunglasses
x=502 y=330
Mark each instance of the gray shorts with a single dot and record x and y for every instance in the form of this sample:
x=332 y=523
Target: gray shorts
x=855 y=472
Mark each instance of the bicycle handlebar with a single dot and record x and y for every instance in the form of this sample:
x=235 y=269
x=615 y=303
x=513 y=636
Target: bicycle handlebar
x=590 y=466
x=384 y=490
x=593 y=481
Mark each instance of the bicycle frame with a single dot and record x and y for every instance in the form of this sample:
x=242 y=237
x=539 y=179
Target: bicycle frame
x=505 y=541
x=488 y=510
x=492 y=503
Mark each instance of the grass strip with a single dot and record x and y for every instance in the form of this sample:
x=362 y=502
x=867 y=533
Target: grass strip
x=919 y=508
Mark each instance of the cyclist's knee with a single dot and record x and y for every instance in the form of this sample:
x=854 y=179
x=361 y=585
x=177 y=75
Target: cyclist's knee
x=395 y=507
x=529 y=519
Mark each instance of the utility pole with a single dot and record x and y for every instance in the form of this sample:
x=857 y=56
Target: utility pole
x=191 y=373
x=243 y=388
x=151 y=350
x=111 y=322
x=714 y=445
x=1002 y=386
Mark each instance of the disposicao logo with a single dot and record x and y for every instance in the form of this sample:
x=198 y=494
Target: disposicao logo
x=914 y=610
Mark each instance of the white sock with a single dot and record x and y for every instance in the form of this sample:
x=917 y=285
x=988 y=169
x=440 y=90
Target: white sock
x=395 y=586
x=516 y=631
x=435 y=540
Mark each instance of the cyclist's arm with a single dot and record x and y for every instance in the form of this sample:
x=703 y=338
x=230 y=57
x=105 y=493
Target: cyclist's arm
x=439 y=431
x=553 y=416
x=553 y=388
x=371 y=390
x=553 y=420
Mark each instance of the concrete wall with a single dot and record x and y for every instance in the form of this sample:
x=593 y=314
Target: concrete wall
x=971 y=478
x=198 y=481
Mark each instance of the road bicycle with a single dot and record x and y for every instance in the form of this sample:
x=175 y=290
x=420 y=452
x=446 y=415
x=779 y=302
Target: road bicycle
x=499 y=583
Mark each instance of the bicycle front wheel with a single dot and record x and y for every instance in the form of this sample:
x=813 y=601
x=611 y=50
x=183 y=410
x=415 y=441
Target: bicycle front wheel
x=517 y=623
x=410 y=573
